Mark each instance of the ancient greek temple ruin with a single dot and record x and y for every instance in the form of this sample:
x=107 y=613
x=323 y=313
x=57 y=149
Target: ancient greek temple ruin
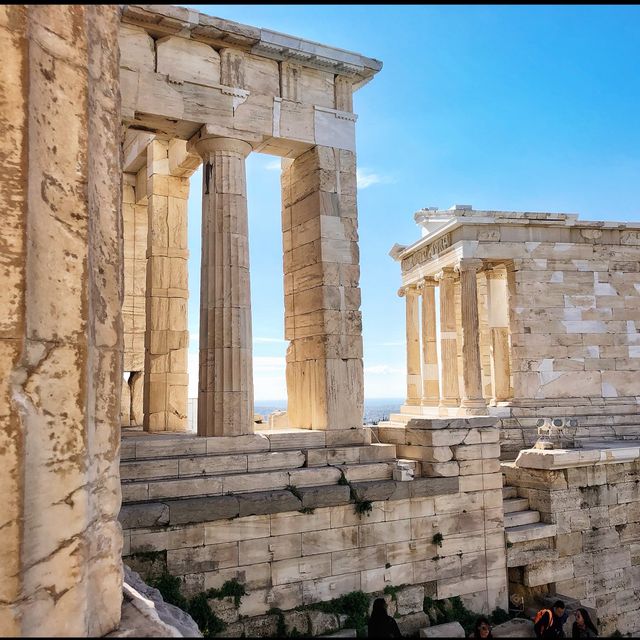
x=536 y=316
x=186 y=103
x=512 y=318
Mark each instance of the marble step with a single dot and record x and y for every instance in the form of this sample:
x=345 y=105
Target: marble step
x=183 y=466
x=509 y=492
x=137 y=445
x=512 y=505
x=519 y=518
x=351 y=455
x=221 y=484
x=528 y=532
x=221 y=464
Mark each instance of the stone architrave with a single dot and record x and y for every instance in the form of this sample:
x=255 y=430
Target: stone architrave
x=411 y=294
x=430 y=373
x=225 y=385
x=166 y=335
x=60 y=321
x=450 y=395
x=323 y=321
x=498 y=308
x=472 y=397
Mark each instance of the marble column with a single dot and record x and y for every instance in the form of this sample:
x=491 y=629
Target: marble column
x=497 y=302
x=167 y=292
x=450 y=395
x=225 y=385
x=414 y=377
x=472 y=397
x=430 y=373
x=61 y=340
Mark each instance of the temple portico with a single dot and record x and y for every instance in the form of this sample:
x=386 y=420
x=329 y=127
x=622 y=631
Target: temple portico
x=197 y=93
x=447 y=380
x=522 y=316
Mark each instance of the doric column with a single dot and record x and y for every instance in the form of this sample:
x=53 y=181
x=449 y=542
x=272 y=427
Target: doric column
x=450 y=396
x=225 y=385
x=472 y=396
x=166 y=332
x=414 y=379
x=430 y=374
x=497 y=301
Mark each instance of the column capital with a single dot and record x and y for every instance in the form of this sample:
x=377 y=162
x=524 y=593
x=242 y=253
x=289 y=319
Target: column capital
x=469 y=264
x=204 y=145
x=445 y=272
x=426 y=282
x=408 y=290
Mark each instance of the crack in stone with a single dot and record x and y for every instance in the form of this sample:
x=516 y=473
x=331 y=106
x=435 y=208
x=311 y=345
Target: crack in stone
x=68 y=499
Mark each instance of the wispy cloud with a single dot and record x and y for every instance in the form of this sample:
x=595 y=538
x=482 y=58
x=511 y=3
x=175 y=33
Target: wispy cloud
x=259 y=340
x=366 y=178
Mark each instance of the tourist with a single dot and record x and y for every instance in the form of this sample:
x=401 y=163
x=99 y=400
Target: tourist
x=381 y=624
x=482 y=629
x=548 y=624
x=583 y=627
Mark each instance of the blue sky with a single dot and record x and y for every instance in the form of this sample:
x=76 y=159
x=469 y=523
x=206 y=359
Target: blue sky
x=530 y=108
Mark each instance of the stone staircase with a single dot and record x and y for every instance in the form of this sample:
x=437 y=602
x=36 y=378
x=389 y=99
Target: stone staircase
x=528 y=540
x=158 y=467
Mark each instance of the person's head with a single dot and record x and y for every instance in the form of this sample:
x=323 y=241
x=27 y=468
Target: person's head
x=584 y=619
x=482 y=628
x=379 y=608
x=558 y=608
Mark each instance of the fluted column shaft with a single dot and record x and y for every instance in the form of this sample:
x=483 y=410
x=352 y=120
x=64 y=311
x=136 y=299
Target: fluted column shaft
x=414 y=377
x=225 y=385
x=450 y=396
x=497 y=302
x=471 y=366
x=430 y=374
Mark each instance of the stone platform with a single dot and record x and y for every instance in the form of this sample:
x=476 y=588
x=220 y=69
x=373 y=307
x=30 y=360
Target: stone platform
x=591 y=453
x=172 y=466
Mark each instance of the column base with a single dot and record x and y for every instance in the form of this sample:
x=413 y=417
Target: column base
x=474 y=407
x=449 y=402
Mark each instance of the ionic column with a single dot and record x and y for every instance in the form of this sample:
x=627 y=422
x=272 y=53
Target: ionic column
x=450 y=396
x=497 y=302
x=414 y=378
x=225 y=385
x=472 y=396
x=430 y=374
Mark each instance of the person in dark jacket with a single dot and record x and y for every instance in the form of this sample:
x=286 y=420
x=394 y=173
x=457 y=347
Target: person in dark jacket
x=549 y=625
x=381 y=624
x=482 y=629
x=583 y=627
